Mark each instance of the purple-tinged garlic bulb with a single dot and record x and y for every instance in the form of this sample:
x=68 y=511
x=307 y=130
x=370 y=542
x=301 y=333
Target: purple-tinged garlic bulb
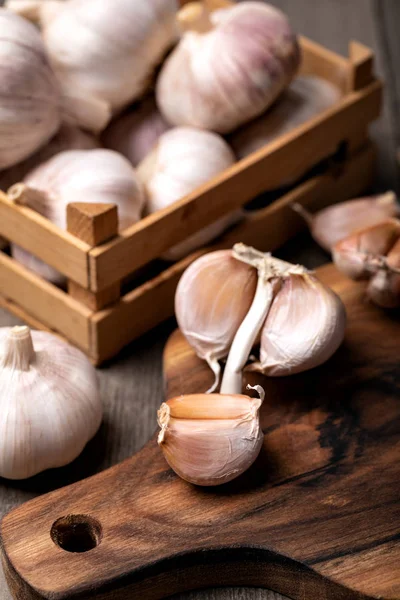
x=229 y=66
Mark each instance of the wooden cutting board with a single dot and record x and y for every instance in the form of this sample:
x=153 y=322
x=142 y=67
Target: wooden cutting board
x=317 y=517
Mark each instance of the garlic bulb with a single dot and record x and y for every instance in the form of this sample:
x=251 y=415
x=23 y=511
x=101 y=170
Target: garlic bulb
x=360 y=254
x=212 y=298
x=93 y=175
x=39 y=12
x=210 y=439
x=108 y=49
x=50 y=402
x=222 y=77
x=183 y=159
x=30 y=99
x=306 y=97
x=302 y=322
x=334 y=223
x=67 y=138
x=135 y=133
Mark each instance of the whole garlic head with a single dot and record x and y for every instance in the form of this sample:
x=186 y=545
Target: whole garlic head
x=66 y=138
x=221 y=78
x=50 y=402
x=183 y=159
x=97 y=176
x=108 y=49
x=135 y=133
x=306 y=97
x=30 y=97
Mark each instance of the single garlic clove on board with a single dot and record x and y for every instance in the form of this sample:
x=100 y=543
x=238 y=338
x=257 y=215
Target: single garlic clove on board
x=183 y=159
x=67 y=138
x=306 y=97
x=360 y=254
x=229 y=66
x=50 y=402
x=210 y=439
x=108 y=50
x=213 y=296
x=384 y=286
x=135 y=133
x=303 y=329
x=335 y=223
x=97 y=176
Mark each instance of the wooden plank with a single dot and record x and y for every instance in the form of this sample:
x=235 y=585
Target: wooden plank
x=153 y=302
x=38 y=235
x=291 y=154
x=44 y=302
x=322 y=62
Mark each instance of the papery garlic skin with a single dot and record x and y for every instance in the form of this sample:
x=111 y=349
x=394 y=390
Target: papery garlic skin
x=213 y=296
x=303 y=329
x=50 y=402
x=67 y=138
x=183 y=159
x=360 y=254
x=306 y=97
x=335 y=223
x=210 y=439
x=108 y=50
x=95 y=176
x=30 y=96
x=222 y=78
x=135 y=133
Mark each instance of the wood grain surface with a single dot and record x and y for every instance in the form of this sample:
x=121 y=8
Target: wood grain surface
x=132 y=385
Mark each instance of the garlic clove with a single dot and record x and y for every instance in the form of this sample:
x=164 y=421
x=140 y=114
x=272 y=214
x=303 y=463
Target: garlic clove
x=108 y=50
x=384 y=286
x=212 y=298
x=306 y=97
x=135 y=133
x=303 y=329
x=229 y=68
x=98 y=176
x=183 y=159
x=358 y=255
x=30 y=96
x=334 y=223
x=50 y=402
x=210 y=439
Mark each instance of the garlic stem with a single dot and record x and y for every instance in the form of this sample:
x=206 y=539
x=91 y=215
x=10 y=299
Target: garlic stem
x=216 y=369
x=19 y=352
x=248 y=331
x=387 y=198
x=303 y=212
x=194 y=16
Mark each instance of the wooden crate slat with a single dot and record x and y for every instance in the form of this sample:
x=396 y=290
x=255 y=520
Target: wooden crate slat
x=152 y=302
x=38 y=235
x=266 y=169
x=322 y=62
x=44 y=302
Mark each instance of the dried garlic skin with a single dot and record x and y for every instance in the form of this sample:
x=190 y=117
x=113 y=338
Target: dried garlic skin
x=135 y=133
x=50 y=402
x=108 y=49
x=335 y=223
x=30 y=95
x=210 y=439
x=222 y=78
x=303 y=329
x=183 y=159
x=213 y=296
x=98 y=176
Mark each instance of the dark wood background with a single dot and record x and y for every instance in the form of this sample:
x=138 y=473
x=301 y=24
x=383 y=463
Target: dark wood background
x=132 y=385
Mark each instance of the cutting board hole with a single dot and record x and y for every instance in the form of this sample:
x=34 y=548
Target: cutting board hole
x=76 y=533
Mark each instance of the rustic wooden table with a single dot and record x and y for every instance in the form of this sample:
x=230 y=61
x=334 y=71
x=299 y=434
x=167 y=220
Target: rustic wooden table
x=132 y=385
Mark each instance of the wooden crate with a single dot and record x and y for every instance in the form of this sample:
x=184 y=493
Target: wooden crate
x=93 y=314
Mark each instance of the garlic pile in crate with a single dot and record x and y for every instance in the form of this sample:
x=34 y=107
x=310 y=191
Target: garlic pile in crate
x=229 y=66
x=306 y=97
x=135 y=133
x=108 y=50
x=182 y=160
x=50 y=402
x=93 y=175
